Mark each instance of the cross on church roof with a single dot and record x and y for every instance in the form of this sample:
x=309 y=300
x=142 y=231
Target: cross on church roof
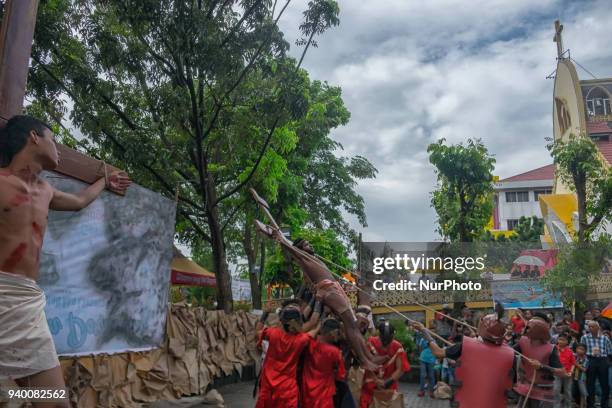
x=558 y=39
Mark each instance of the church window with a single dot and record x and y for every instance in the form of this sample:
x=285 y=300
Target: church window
x=598 y=102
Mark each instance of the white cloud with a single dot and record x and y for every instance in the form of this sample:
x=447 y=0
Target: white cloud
x=413 y=72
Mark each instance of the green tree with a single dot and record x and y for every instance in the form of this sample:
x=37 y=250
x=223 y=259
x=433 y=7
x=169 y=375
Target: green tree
x=463 y=199
x=529 y=229
x=581 y=168
x=317 y=186
x=577 y=265
x=197 y=94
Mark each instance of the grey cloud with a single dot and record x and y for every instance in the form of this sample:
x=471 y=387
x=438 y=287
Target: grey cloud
x=413 y=72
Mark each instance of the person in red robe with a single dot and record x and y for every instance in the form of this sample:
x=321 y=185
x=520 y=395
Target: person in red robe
x=323 y=366
x=278 y=385
x=396 y=364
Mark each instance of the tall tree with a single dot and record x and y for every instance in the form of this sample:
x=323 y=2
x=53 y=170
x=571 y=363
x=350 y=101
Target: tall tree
x=581 y=168
x=317 y=184
x=463 y=199
x=194 y=93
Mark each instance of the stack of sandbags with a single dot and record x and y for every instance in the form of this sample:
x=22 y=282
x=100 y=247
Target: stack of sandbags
x=200 y=345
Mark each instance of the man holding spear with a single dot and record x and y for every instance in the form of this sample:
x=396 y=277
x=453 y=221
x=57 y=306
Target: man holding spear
x=327 y=289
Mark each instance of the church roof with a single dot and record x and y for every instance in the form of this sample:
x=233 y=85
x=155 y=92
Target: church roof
x=605 y=147
x=595 y=128
x=541 y=173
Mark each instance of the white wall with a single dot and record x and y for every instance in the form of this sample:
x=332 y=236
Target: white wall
x=516 y=210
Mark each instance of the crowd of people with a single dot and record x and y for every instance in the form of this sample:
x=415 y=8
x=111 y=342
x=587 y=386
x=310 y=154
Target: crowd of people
x=533 y=359
x=560 y=362
x=307 y=361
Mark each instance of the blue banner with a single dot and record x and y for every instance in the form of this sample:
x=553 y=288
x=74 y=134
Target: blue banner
x=528 y=294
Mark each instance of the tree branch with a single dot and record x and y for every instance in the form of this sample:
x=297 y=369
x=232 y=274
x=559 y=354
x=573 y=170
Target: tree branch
x=232 y=214
x=112 y=138
x=239 y=23
x=195 y=225
x=255 y=166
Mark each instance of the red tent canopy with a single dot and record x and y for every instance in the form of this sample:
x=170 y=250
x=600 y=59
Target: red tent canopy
x=186 y=272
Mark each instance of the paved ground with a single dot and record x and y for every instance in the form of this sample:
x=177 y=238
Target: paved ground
x=240 y=396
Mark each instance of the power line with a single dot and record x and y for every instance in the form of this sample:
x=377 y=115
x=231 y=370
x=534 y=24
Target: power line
x=586 y=70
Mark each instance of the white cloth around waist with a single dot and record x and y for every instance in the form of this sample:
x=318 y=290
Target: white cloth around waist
x=26 y=345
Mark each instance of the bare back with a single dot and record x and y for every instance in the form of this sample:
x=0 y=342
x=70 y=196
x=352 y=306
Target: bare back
x=24 y=210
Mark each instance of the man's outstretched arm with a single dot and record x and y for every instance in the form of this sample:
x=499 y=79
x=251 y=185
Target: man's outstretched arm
x=118 y=181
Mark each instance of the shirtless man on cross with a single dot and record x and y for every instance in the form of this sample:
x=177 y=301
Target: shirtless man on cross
x=27 y=147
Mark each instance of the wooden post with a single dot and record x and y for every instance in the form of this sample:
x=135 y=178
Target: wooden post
x=16 y=35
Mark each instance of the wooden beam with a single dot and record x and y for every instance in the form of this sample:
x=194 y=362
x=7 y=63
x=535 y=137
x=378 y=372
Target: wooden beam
x=81 y=167
x=16 y=35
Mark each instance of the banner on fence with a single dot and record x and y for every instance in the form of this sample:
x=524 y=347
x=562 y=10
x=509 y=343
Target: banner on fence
x=105 y=271
x=528 y=294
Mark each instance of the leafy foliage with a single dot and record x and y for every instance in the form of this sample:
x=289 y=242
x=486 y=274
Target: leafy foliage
x=195 y=95
x=581 y=168
x=529 y=229
x=324 y=242
x=463 y=200
x=404 y=335
x=577 y=264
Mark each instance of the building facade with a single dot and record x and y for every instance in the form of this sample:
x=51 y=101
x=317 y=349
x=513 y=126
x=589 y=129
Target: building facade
x=518 y=196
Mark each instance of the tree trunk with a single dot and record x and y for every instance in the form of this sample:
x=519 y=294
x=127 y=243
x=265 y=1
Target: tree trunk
x=250 y=250
x=262 y=264
x=224 y=284
x=582 y=212
x=463 y=233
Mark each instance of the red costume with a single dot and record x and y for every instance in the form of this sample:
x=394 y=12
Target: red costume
x=542 y=389
x=483 y=385
x=278 y=383
x=518 y=324
x=567 y=359
x=322 y=366
x=392 y=352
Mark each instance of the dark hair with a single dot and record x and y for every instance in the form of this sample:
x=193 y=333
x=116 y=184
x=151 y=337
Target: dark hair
x=329 y=325
x=307 y=295
x=579 y=345
x=542 y=316
x=15 y=134
x=290 y=302
x=563 y=335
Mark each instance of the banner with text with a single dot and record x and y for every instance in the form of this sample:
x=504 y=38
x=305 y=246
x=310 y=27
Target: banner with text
x=105 y=271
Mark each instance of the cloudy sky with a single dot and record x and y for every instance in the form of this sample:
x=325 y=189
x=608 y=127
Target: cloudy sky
x=413 y=72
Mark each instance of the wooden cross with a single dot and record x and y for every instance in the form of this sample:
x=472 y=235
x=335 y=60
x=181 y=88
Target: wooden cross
x=558 y=39
x=16 y=35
